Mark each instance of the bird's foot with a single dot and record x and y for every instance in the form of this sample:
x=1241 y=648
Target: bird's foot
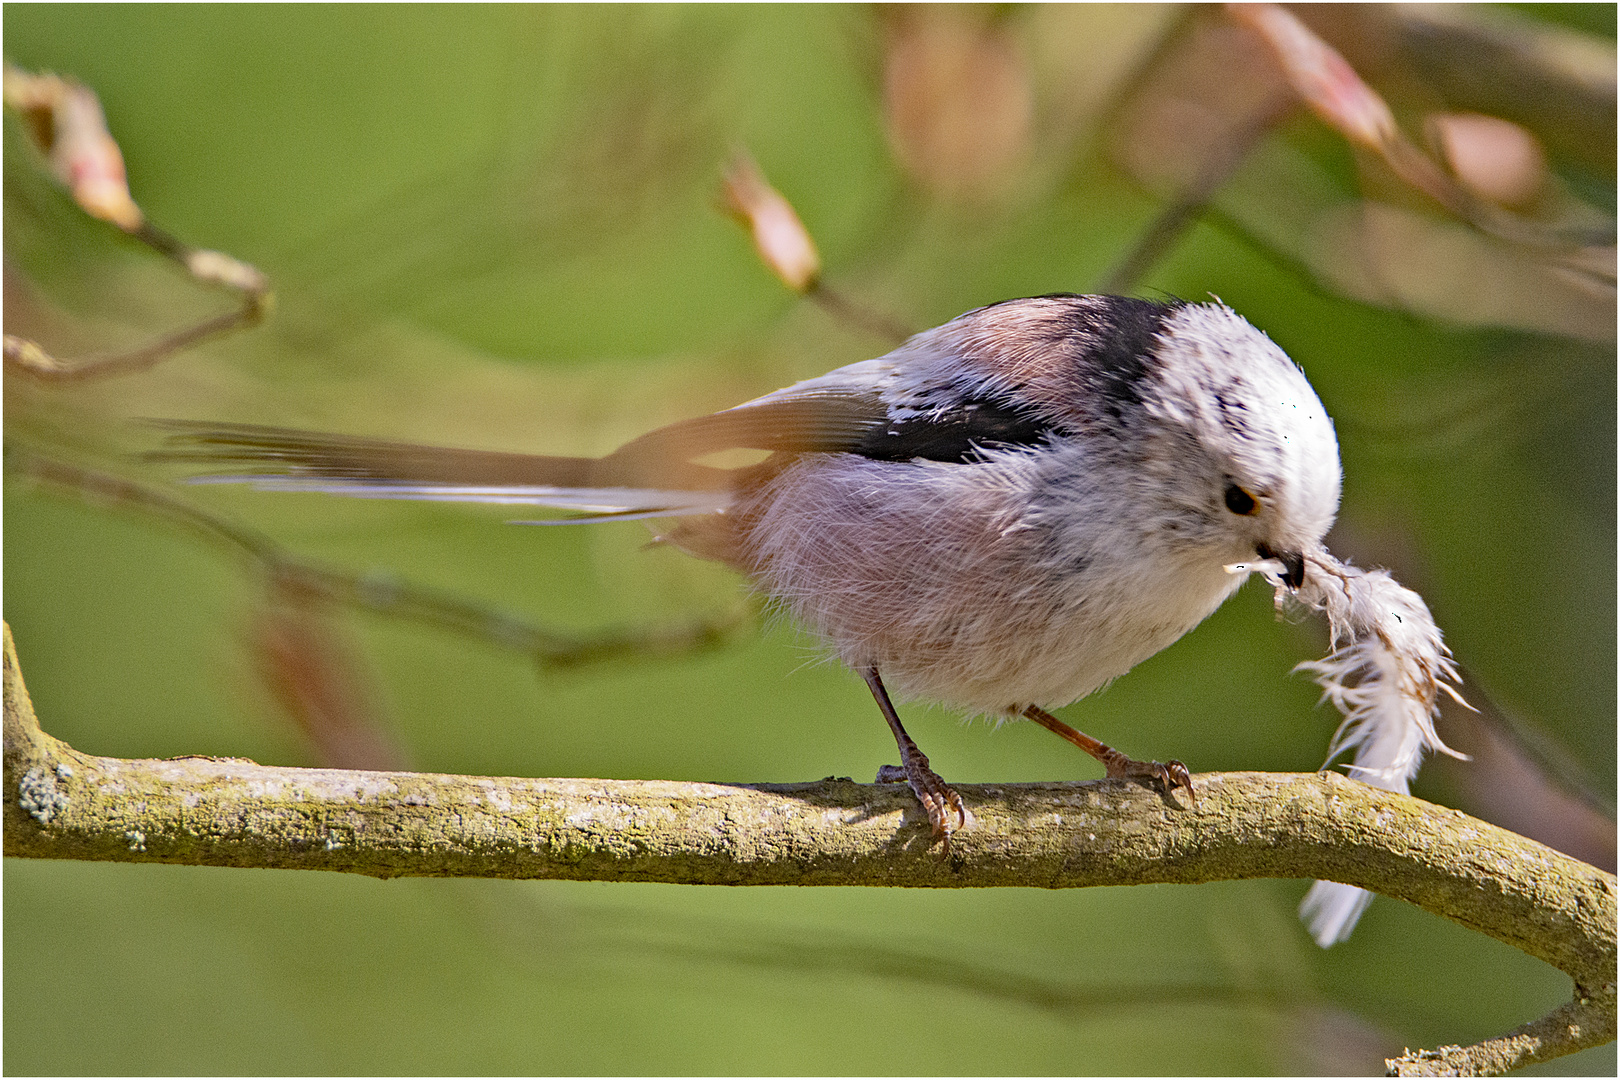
x=946 y=812
x=939 y=800
x=1169 y=775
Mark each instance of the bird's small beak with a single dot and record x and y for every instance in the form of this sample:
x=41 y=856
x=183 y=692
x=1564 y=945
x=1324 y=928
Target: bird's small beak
x=1293 y=561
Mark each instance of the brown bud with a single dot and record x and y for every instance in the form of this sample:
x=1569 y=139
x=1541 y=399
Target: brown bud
x=958 y=100
x=218 y=268
x=321 y=684
x=779 y=236
x=65 y=122
x=1496 y=159
x=1321 y=77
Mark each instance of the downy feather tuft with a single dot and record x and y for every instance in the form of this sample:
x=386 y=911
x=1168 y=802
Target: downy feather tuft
x=1385 y=672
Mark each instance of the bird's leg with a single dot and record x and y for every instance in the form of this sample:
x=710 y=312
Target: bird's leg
x=937 y=797
x=1170 y=775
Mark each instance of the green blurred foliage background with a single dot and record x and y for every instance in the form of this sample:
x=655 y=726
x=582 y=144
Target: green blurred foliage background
x=497 y=226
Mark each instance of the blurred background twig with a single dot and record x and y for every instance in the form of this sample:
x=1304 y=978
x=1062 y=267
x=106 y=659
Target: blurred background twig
x=68 y=129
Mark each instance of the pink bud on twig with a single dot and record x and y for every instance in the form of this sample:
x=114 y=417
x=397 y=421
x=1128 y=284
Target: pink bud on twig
x=779 y=236
x=66 y=123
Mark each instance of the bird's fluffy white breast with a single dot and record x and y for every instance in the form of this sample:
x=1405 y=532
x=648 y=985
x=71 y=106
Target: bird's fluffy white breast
x=964 y=585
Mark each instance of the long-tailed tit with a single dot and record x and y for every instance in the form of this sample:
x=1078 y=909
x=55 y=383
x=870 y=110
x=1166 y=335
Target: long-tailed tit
x=1002 y=515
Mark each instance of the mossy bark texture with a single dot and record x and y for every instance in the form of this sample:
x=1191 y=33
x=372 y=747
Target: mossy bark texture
x=63 y=804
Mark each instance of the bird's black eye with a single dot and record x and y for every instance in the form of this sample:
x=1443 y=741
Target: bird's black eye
x=1240 y=502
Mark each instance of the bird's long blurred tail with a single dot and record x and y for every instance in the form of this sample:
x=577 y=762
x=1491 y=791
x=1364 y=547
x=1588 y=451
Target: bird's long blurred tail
x=280 y=459
x=656 y=475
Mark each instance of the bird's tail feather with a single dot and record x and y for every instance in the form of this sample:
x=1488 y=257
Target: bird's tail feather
x=656 y=475
x=279 y=459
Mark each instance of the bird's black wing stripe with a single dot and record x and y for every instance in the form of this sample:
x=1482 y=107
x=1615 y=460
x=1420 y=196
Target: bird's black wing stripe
x=959 y=434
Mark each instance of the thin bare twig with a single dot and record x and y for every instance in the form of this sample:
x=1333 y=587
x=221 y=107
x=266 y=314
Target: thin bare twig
x=842 y=308
x=1189 y=205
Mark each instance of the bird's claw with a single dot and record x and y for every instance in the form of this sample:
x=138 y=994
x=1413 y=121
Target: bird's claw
x=1169 y=775
x=939 y=800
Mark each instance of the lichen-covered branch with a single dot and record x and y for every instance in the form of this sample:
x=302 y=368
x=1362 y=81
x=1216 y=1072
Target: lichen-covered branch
x=1568 y=1028
x=64 y=804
